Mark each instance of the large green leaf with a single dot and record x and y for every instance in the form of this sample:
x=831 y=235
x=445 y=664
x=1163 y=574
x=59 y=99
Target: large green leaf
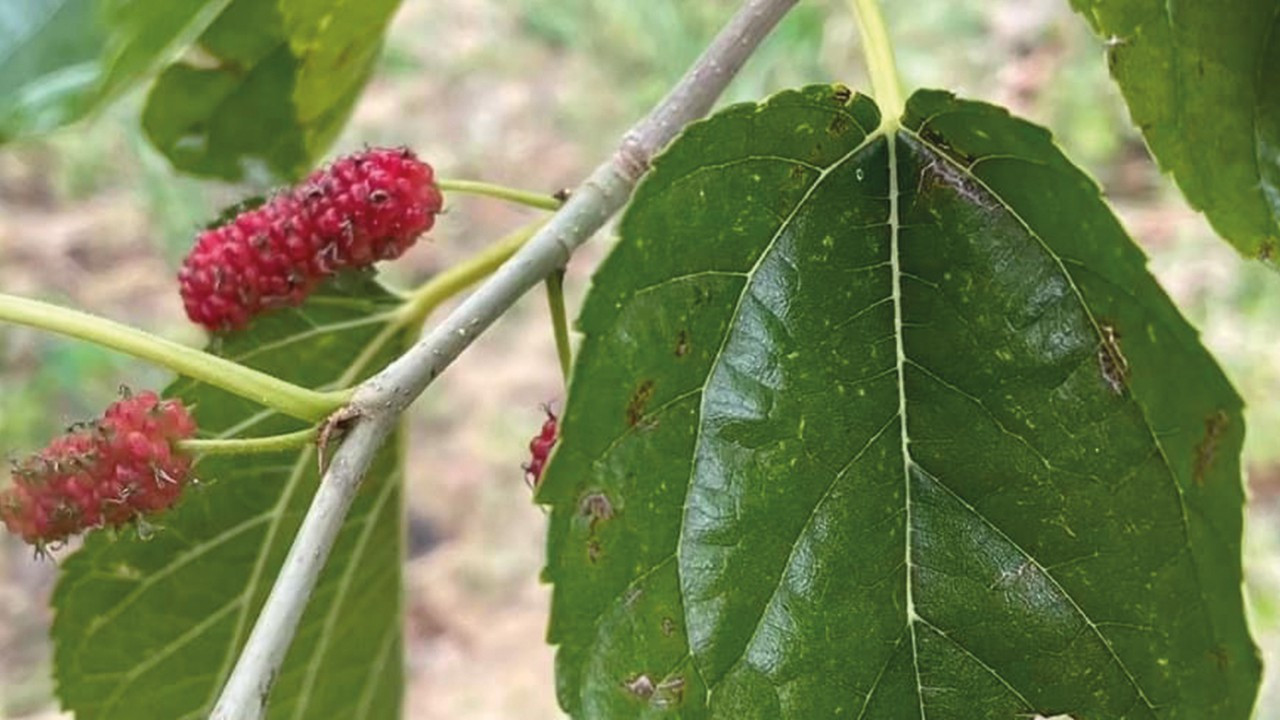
x=1202 y=80
x=151 y=628
x=890 y=421
x=273 y=86
x=59 y=59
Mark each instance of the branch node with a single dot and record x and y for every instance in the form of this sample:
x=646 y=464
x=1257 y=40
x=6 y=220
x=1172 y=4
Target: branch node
x=631 y=159
x=335 y=426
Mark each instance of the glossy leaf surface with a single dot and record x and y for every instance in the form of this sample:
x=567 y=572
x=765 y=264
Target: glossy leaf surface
x=151 y=628
x=890 y=421
x=1201 y=81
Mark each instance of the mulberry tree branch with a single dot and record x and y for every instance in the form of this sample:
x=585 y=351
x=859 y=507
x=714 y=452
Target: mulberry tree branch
x=379 y=401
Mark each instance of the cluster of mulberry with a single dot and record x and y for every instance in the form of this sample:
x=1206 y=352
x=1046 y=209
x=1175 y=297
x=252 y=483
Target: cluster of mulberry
x=105 y=473
x=362 y=208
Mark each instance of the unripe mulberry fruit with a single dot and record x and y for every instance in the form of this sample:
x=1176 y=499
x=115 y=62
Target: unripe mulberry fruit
x=105 y=473
x=362 y=208
x=540 y=448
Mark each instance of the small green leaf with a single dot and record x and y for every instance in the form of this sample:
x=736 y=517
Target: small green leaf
x=248 y=98
x=889 y=420
x=1200 y=79
x=151 y=628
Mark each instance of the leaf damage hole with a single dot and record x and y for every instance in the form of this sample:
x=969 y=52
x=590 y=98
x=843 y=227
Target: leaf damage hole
x=1215 y=426
x=641 y=686
x=596 y=508
x=638 y=402
x=842 y=94
x=668 y=693
x=682 y=344
x=1111 y=361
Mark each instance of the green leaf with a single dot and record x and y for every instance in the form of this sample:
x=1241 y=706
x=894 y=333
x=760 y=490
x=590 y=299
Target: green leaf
x=889 y=420
x=48 y=63
x=268 y=88
x=1200 y=79
x=60 y=59
x=151 y=628
x=336 y=44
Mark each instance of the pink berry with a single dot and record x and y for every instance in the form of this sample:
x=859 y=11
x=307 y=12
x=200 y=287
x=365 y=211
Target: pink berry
x=108 y=472
x=540 y=448
x=362 y=208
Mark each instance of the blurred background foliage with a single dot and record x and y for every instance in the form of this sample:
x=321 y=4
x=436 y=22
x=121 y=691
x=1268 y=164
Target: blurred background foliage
x=534 y=93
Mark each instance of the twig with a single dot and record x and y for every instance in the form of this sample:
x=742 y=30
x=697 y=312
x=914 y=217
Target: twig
x=290 y=399
x=559 y=322
x=382 y=398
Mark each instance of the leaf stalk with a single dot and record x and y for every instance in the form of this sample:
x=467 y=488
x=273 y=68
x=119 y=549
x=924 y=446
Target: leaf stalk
x=877 y=48
x=521 y=197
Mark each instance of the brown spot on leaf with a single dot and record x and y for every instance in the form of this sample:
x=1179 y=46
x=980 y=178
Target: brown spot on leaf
x=935 y=138
x=668 y=626
x=839 y=125
x=1111 y=361
x=638 y=402
x=1267 y=250
x=682 y=344
x=1207 y=449
x=594 y=551
x=842 y=94
x=1220 y=657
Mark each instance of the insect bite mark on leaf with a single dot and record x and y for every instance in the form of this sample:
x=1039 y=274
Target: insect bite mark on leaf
x=842 y=94
x=1207 y=449
x=1111 y=361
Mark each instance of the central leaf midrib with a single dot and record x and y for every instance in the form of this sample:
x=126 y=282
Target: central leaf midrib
x=901 y=358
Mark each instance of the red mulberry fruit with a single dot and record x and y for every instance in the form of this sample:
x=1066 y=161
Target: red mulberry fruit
x=362 y=208
x=104 y=473
x=540 y=448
